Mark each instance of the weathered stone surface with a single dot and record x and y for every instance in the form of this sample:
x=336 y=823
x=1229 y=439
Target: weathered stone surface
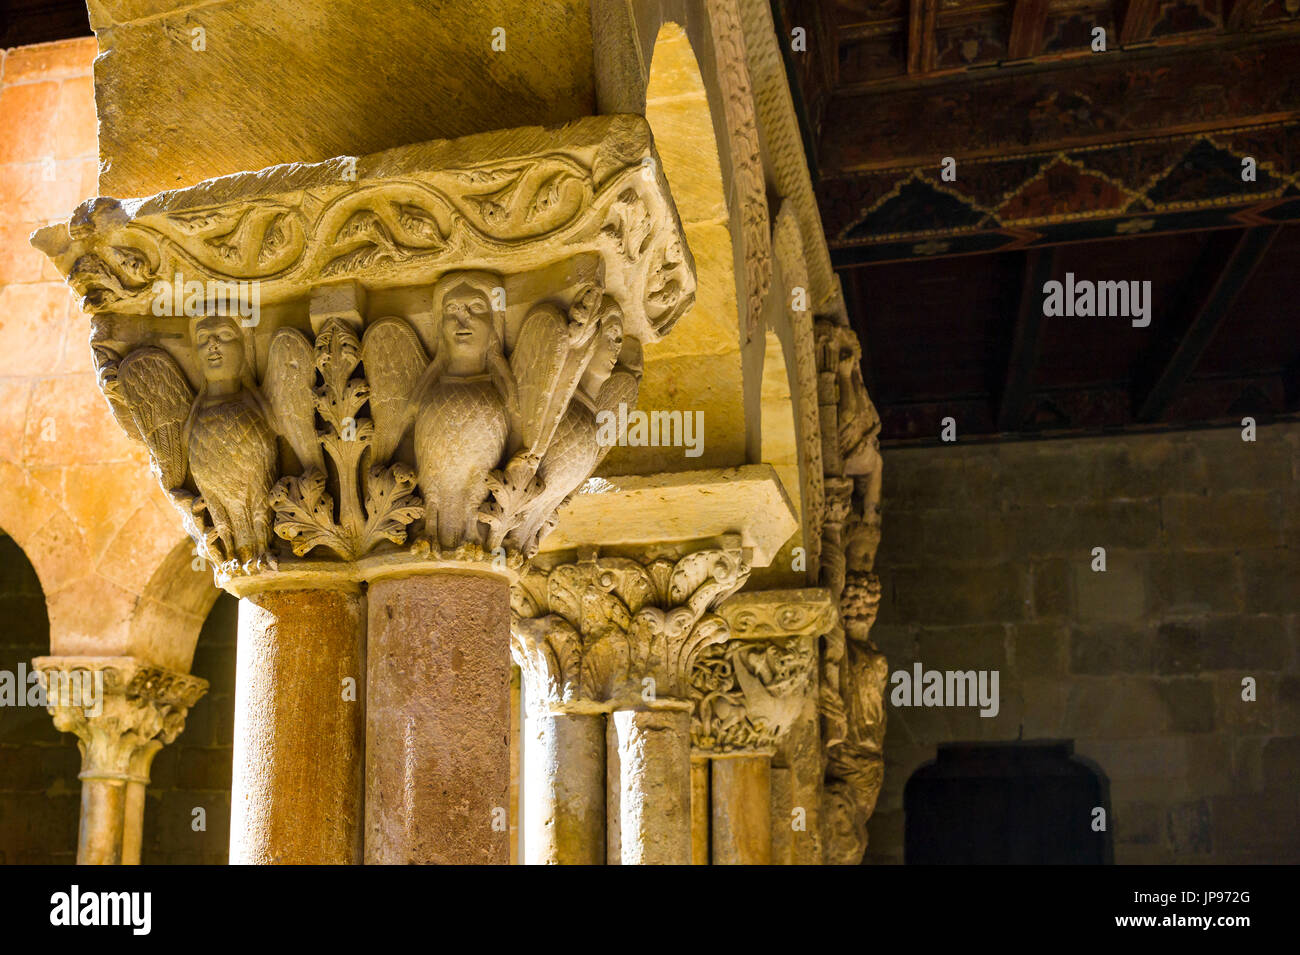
x=437 y=720
x=741 y=792
x=413 y=72
x=299 y=733
x=649 y=799
x=639 y=510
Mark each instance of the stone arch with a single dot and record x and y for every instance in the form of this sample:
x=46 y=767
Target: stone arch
x=705 y=363
x=41 y=801
x=173 y=607
x=116 y=577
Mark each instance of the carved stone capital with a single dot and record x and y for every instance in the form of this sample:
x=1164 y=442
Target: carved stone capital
x=121 y=710
x=749 y=691
x=607 y=632
x=385 y=364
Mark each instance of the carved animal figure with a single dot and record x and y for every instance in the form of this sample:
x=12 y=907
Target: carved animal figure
x=501 y=416
x=224 y=438
x=612 y=375
x=459 y=404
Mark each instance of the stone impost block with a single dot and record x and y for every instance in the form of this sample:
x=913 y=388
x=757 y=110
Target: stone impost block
x=638 y=510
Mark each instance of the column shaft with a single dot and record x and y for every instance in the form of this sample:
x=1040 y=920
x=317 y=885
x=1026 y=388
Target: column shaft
x=133 y=822
x=700 y=811
x=99 y=841
x=564 y=789
x=742 y=810
x=299 y=729
x=650 y=783
x=438 y=723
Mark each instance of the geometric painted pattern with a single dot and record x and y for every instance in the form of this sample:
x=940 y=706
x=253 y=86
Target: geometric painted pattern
x=1171 y=183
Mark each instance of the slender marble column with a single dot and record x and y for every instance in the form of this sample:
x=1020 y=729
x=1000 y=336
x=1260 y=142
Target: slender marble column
x=650 y=783
x=299 y=728
x=438 y=724
x=564 y=789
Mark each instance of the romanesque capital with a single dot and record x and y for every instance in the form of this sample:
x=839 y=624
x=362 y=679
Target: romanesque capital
x=611 y=632
x=121 y=710
x=749 y=691
x=372 y=365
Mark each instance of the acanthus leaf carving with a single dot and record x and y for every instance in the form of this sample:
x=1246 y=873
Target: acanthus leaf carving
x=636 y=620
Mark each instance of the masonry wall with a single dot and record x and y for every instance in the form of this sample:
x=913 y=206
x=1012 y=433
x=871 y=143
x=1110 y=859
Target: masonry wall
x=79 y=495
x=986 y=564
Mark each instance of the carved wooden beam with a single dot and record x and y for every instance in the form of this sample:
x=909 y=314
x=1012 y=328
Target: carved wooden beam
x=1027 y=24
x=1139 y=17
x=1090 y=102
x=920 y=35
x=1038 y=268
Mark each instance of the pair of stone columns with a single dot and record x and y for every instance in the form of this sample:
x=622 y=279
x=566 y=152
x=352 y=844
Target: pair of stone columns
x=616 y=772
x=369 y=728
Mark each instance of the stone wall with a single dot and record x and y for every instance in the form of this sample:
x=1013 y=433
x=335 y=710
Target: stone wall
x=40 y=797
x=75 y=492
x=986 y=564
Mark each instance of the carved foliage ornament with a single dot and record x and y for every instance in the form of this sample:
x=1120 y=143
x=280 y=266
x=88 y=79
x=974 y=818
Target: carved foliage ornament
x=137 y=709
x=503 y=200
x=748 y=693
x=598 y=629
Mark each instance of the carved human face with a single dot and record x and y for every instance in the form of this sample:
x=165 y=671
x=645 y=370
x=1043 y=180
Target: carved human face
x=466 y=327
x=219 y=346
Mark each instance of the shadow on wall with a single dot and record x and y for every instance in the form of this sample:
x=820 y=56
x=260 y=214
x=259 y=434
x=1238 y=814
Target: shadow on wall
x=40 y=797
x=187 y=815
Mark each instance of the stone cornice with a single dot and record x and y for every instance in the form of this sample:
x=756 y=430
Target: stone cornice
x=641 y=510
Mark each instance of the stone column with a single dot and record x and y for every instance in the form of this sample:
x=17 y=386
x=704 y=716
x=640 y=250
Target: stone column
x=564 y=787
x=742 y=810
x=296 y=796
x=620 y=635
x=122 y=711
x=752 y=697
x=438 y=727
x=700 y=808
x=382 y=371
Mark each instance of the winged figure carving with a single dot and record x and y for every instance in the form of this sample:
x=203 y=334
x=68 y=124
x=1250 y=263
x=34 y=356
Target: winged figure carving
x=612 y=376
x=220 y=442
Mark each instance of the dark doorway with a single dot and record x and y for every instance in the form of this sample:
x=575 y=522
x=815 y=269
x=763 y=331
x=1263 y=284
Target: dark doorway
x=1030 y=803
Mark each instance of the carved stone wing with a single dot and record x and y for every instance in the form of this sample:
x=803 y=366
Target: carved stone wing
x=547 y=369
x=620 y=388
x=394 y=360
x=289 y=390
x=155 y=392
